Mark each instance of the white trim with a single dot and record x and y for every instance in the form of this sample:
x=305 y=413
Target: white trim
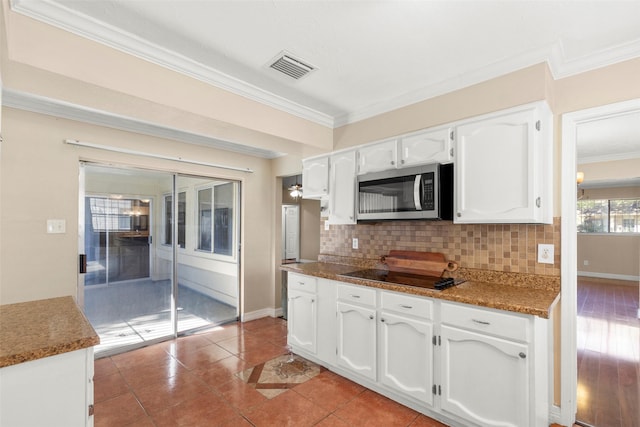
x=568 y=263
x=56 y=14
x=151 y=155
x=609 y=276
x=259 y=314
x=66 y=110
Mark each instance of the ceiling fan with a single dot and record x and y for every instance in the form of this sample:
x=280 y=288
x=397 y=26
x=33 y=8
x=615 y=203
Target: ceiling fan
x=295 y=191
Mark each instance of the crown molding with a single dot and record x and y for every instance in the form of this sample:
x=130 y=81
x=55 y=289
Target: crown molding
x=554 y=55
x=65 y=110
x=608 y=158
x=82 y=25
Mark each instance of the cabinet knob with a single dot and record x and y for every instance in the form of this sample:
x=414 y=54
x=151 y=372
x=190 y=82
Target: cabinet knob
x=382 y=320
x=371 y=316
x=458 y=214
x=392 y=162
x=402 y=161
x=522 y=355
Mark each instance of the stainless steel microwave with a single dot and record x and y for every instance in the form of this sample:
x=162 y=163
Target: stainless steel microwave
x=420 y=192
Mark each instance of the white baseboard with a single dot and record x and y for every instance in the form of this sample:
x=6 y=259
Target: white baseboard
x=609 y=276
x=259 y=314
x=555 y=415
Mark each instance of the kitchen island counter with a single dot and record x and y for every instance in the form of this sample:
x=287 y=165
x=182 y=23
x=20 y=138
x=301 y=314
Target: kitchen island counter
x=37 y=329
x=515 y=292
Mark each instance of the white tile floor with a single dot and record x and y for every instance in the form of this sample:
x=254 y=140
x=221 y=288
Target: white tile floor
x=131 y=313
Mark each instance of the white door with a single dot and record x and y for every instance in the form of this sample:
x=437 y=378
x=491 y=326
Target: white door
x=377 y=157
x=301 y=320
x=499 y=169
x=357 y=339
x=342 y=195
x=406 y=357
x=315 y=177
x=484 y=379
x=426 y=147
x=291 y=232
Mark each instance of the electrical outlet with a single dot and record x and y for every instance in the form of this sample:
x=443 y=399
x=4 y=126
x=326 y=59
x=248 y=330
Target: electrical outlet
x=545 y=254
x=326 y=226
x=56 y=226
x=586 y=262
x=354 y=243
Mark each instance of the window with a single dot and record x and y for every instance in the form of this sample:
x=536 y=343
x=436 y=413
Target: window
x=215 y=219
x=609 y=216
x=168 y=223
x=118 y=214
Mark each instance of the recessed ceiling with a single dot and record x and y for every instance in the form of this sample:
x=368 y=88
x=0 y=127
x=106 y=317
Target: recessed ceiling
x=371 y=56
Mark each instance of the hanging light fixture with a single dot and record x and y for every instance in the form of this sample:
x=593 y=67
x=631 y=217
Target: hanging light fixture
x=295 y=191
x=580 y=177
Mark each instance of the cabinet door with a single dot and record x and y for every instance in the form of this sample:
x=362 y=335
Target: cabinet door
x=501 y=168
x=342 y=188
x=377 y=157
x=484 y=379
x=357 y=339
x=315 y=178
x=426 y=147
x=302 y=320
x=406 y=355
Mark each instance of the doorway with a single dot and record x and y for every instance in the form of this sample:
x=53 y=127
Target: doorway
x=599 y=357
x=290 y=233
x=161 y=254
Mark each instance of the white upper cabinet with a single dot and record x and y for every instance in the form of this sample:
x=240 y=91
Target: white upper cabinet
x=435 y=146
x=342 y=188
x=377 y=157
x=504 y=166
x=419 y=148
x=315 y=177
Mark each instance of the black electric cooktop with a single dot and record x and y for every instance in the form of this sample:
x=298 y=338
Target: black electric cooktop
x=407 y=279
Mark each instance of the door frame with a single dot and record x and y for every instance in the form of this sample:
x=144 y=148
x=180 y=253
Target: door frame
x=569 y=260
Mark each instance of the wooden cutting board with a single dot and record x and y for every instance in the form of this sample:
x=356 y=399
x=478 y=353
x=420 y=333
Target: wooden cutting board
x=428 y=263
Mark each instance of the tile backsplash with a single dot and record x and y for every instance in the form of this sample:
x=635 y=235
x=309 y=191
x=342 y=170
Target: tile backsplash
x=499 y=247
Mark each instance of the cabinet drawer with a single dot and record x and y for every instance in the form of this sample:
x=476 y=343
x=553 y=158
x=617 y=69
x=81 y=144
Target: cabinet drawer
x=401 y=303
x=301 y=282
x=357 y=294
x=495 y=323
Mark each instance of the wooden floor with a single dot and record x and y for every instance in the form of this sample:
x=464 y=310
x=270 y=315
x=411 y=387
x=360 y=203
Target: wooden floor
x=608 y=344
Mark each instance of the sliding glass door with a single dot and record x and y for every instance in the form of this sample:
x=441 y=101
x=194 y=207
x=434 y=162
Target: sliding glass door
x=160 y=253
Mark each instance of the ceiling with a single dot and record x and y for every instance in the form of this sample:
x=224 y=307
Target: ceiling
x=369 y=56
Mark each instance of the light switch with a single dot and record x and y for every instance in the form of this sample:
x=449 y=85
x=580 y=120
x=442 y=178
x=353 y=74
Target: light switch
x=354 y=243
x=56 y=226
x=545 y=254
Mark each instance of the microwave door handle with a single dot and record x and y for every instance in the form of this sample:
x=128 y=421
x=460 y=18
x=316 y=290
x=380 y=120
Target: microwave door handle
x=416 y=192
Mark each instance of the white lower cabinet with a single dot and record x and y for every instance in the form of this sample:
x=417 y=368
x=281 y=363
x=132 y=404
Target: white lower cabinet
x=55 y=391
x=461 y=364
x=484 y=379
x=302 y=320
x=357 y=344
x=406 y=355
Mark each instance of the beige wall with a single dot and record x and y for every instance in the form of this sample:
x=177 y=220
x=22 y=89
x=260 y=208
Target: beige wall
x=40 y=181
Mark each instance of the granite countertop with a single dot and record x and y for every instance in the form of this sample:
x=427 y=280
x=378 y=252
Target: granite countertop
x=36 y=329
x=520 y=293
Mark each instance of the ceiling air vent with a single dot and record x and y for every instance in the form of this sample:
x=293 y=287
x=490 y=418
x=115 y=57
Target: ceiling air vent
x=292 y=67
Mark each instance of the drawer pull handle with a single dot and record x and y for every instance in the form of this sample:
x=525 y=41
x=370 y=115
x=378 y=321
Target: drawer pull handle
x=301 y=283
x=408 y=307
x=292 y=298
x=382 y=320
x=522 y=355
x=354 y=296
x=482 y=322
